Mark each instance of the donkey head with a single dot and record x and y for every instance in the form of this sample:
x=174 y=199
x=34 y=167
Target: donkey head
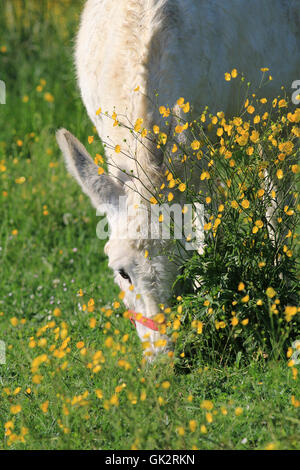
x=142 y=271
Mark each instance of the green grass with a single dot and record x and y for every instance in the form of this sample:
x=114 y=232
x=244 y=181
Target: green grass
x=49 y=253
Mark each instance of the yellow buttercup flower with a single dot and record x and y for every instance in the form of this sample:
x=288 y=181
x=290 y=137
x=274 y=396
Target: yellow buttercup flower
x=207 y=405
x=180 y=128
x=195 y=145
x=138 y=125
x=279 y=174
x=245 y=203
x=45 y=406
x=259 y=223
x=270 y=292
x=15 y=409
x=153 y=200
x=282 y=104
x=186 y=107
x=260 y=193
x=193 y=425
x=14 y=321
x=203 y=429
x=166 y=385
x=254 y=137
x=290 y=311
x=165 y=112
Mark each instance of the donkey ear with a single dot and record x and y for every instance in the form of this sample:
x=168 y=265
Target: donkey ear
x=101 y=189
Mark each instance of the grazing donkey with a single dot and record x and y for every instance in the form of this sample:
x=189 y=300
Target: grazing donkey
x=133 y=56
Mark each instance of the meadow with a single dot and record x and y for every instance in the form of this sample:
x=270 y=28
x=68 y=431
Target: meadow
x=74 y=377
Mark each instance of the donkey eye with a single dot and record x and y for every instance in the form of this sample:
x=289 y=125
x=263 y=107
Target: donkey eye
x=124 y=275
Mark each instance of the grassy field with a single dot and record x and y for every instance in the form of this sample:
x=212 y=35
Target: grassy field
x=73 y=377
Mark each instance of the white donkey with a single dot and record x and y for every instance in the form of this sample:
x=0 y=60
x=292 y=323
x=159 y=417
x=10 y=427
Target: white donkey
x=169 y=49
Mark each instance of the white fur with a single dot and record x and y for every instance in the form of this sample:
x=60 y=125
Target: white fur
x=177 y=48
